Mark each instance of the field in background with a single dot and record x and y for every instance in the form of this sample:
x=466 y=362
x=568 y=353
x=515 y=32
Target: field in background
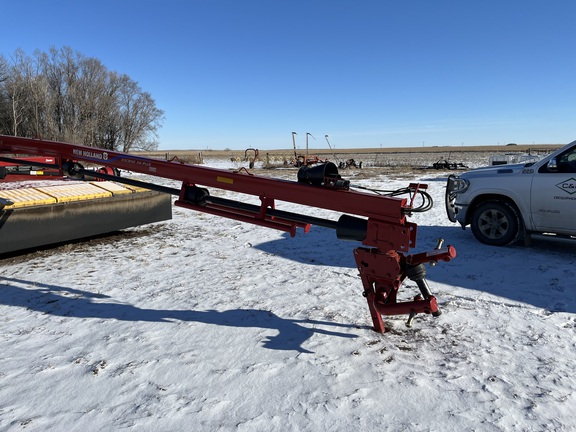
x=415 y=157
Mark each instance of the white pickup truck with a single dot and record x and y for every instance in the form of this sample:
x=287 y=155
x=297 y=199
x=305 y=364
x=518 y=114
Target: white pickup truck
x=506 y=203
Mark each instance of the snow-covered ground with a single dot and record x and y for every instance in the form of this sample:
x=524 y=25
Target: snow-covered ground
x=202 y=324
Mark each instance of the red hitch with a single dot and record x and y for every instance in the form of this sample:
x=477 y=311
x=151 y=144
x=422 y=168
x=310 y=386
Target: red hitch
x=382 y=275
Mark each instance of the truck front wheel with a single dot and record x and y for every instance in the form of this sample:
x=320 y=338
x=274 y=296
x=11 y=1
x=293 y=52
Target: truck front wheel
x=496 y=223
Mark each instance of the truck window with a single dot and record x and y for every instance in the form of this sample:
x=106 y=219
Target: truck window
x=567 y=161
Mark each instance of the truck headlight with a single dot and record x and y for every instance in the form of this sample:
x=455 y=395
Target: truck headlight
x=456 y=185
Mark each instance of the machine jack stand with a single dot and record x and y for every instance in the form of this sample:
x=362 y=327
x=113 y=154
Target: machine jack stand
x=382 y=275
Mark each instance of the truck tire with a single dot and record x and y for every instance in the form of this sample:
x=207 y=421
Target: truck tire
x=496 y=223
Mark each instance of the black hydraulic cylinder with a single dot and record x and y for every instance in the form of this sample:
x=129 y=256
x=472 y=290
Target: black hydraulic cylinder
x=351 y=228
x=417 y=274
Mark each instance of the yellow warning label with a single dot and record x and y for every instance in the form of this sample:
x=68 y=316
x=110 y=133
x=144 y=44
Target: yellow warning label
x=226 y=180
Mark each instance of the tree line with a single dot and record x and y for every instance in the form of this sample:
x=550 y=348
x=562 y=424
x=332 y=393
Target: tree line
x=62 y=95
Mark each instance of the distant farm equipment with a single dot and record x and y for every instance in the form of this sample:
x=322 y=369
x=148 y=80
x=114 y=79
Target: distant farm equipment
x=350 y=163
x=507 y=159
x=251 y=156
x=304 y=159
x=446 y=164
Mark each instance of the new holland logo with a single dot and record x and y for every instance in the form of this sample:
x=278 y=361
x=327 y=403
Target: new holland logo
x=568 y=185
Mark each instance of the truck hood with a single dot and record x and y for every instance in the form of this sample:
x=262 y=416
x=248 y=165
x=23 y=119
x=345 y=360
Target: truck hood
x=498 y=170
x=513 y=169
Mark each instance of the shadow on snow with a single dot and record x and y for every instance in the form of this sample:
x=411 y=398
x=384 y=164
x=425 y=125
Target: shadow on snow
x=69 y=302
x=540 y=275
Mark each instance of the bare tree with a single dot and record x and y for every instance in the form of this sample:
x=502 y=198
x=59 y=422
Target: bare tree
x=63 y=95
x=4 y=118
x=16 y=85
x=139 y=117
x=3 y=68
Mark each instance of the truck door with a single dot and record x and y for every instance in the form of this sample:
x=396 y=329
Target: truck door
x=553 y=194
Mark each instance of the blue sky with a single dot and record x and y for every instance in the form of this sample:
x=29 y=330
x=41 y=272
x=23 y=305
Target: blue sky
x=368 y=73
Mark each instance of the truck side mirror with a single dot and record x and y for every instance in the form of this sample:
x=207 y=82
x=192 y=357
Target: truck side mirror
x=552 y=165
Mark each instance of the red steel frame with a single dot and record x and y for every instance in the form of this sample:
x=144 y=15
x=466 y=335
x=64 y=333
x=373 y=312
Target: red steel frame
x=383 y=265
x=14 y=172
